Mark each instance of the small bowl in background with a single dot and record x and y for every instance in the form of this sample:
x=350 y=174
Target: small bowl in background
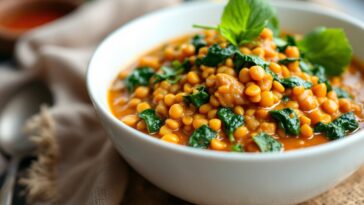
x=17 y=17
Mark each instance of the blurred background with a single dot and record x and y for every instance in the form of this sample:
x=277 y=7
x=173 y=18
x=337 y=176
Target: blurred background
x=19 y=17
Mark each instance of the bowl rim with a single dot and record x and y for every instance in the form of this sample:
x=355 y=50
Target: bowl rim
x=326 y=148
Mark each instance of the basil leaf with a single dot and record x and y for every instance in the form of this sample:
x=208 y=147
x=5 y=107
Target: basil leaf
x=198 y=98
x=243 y=20
x=153 y=122
x=216 y=55
x=306 y=67
x=288 y=60
x=338 y=128
x=198 y=42
x=172 y=73
x=292 y=82
x=287 y=119
x=342 y=93
x=202 y=137
x=273 y=24
x=230 y=120
x=267 y=143
x=328 y=47
x=237 y=148
x=139 y=77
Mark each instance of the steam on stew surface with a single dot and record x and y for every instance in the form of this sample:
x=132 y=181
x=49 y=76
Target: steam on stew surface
x=244 y=86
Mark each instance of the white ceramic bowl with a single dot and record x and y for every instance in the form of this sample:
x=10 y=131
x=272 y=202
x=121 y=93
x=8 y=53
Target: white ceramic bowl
x=209 y=177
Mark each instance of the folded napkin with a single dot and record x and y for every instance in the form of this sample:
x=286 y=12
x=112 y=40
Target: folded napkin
x=77 y=164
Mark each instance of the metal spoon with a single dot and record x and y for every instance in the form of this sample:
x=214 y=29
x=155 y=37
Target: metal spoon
x=16 y=111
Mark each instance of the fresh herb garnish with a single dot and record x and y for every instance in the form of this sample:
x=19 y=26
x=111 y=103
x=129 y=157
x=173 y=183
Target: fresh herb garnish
x=237 y=148
x=288 y=60
x=328 y=47
x=287 y=119
x=202 y=137
x=216 y=55
x=285 y=98
x=139 y=77
x=292 y=82
x=243 y=20
x=339 y=127
x=342 y=93
x=198 y=42
x=198 y=98
x=267 y=143
x=230 y=120
x=273 y=24
x=172 y=73
x=151 y=119
x=306 y=67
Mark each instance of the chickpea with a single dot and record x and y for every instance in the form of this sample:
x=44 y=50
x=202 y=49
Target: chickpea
x=134 y=102
x=330 y=106
x=262 y=114
x=267 y=99
x=217 y=144
x=172 y=138
x=278 y=87
x=298 y=90
x=173 y=124
x=315 y=116
x=320 y=90
x=252 y=90
x=268 y=127
x=164 y=130
x=306 y=131
x=161 y=109
x=256 y=73
x=205 y=108
x=211 y=114
x=169 y=99
x=141 y=125
x=275 y=67
x=193 y=78
x=292 y=52
x=187 y=120
x=266 y=33
x=143 y=106
x=241 y=132
x=345 y=105
x=141 y=92
x=215 y=124
x=199 y=122
x=239 y=110
x=176 y=111
x=304 y=120
x=244 y=75
x=130 y=120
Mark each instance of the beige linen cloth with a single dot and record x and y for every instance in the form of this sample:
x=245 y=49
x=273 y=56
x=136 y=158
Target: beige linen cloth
x=77 y=164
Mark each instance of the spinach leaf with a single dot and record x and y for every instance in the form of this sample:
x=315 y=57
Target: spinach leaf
x=342 y=93
x=328 y=47
x=285 y=98
x=282 y=44
x=246 y=61
x=338 y=128
x=216 y=55
x=320 y=72
x=287 y=119
x=237 y=148
x=292 y=82
x=273 y=24
x=198 y=42
x=153 y=122
x=243 y=20
x=267 y=143
x=198 y=98
x=288 y=60
x=306 y=67
x=172 y=73
x=202 y=137
x=139 y=77
x=230 y=120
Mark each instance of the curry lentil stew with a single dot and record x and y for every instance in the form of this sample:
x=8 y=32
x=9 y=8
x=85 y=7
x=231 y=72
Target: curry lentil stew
x=243 y=88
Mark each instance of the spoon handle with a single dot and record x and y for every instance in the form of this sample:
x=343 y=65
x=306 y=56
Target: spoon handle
x=8 y=188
